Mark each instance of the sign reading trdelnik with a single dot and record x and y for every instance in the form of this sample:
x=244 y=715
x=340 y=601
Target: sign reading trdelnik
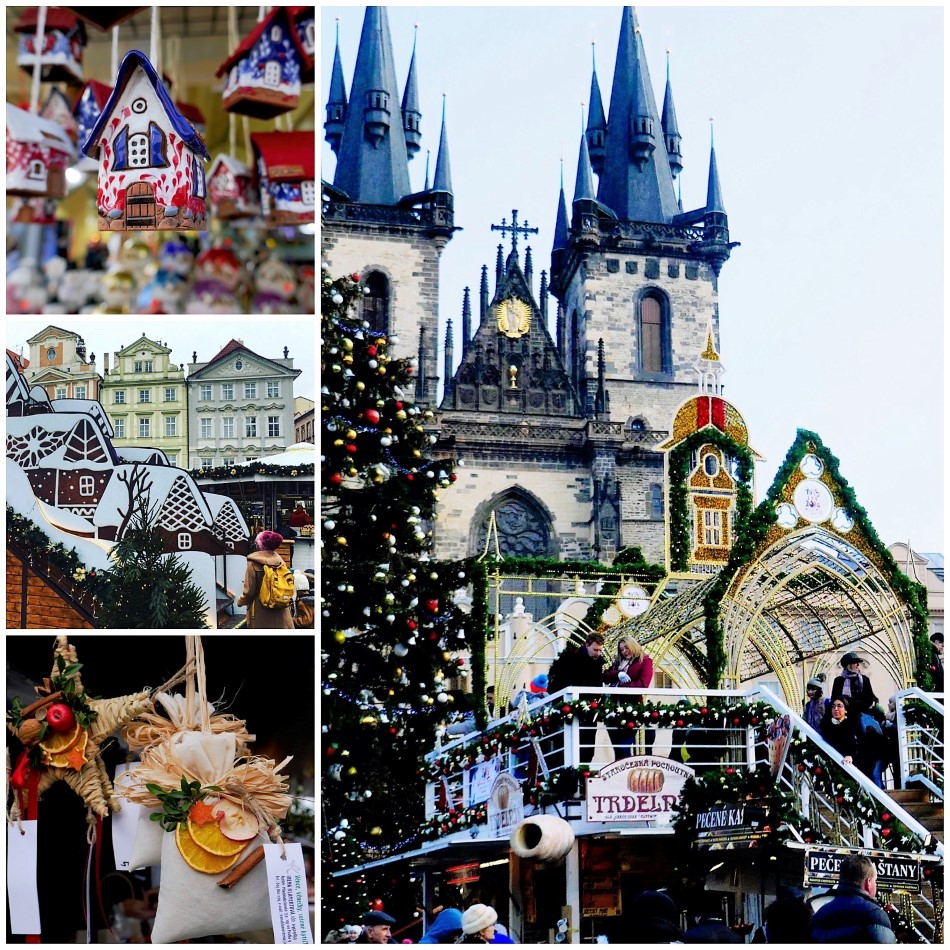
x=640 y=788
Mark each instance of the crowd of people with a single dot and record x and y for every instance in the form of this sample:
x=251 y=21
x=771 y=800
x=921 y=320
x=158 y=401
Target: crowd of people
x=851 y=915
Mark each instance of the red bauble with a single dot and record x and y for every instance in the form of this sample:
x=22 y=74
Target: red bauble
x=351 y=448
x=335 y=479
x=371 y=350
x=453 y=477
x=355 y=278
x=886 y=816
x=376 y=903
x=371 y=416
x=885 y=832
x=654 y=715
x=432 y=606
x=60 y=717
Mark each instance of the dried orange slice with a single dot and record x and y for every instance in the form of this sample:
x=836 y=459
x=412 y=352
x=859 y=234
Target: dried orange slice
x=198 y=858
x=60 y=760
x=209 y=837
x=56 y=742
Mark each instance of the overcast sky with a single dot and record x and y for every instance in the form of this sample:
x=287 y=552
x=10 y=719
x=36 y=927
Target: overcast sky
x=829 y=141
x=266 y=336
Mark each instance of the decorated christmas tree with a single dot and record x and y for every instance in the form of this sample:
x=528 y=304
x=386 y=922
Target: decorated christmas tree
x=389 y=622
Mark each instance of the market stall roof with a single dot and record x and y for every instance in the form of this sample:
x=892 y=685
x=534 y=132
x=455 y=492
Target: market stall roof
x=300 y=453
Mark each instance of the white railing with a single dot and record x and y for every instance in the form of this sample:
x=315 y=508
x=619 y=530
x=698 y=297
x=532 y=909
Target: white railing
x=920 y=743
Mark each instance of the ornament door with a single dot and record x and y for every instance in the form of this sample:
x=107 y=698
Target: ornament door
x=140 y=206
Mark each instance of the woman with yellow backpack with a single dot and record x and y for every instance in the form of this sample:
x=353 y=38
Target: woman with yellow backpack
x=268 y=586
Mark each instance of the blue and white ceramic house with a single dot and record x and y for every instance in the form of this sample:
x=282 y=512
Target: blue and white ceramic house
x=151 y=160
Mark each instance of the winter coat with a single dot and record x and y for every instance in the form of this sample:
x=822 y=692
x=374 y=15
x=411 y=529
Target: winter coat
x=840 y=736
x=862 y=697
x=640 y=672
x=852 y=917
x=711 y=930
x=446 y=927
x=814 y=712
x=575 y=667
x=260 y=617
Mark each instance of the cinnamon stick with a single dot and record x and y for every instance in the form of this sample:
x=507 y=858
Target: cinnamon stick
x=242 y=869
x=40 y=703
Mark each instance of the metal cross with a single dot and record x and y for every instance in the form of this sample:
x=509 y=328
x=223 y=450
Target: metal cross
x=515 y=230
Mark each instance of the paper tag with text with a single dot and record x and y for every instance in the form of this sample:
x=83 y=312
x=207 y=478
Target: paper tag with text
x=124 y=824
x=22 y=893
x=287 y=891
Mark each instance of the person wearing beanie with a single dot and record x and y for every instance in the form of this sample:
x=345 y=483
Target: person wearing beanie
x=537 y=690
x=260 y=617
x=478 y=924
x=815 y=701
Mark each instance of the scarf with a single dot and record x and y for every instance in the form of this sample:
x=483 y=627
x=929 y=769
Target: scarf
x=850 y=678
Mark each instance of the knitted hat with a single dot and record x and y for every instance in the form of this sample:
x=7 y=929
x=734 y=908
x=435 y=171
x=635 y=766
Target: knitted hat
x=376 y=918
x=852 y=657
x=269 y=541
x=478 y=917
x=818 y=681
x=540 y=683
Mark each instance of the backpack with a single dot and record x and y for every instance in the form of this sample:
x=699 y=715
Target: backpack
x=277 y=587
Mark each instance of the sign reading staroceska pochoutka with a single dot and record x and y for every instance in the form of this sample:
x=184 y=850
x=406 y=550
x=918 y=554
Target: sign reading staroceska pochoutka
x=895 y=872
x=640 y=788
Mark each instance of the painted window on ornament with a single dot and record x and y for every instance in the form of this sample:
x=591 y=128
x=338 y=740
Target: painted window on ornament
x=184 y=541
x=275 y=34
x=138 y=150
x=197 y=178
x=272 y=73
x=309 y=35
x=37 y=170
x=307 y=193
x=87 y=485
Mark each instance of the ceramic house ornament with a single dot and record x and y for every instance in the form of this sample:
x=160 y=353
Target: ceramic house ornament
x=87 y=110
x=59 y=109
x=232 y=190
x=304 y=24
x=151 y=160
x=285 y=174
x=264 y=72
x=38 y=154
x=64 y=37
x=33 y=211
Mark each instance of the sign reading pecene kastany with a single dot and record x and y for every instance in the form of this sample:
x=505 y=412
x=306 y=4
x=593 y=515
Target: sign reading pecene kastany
x=895 y=872
x=640 y=788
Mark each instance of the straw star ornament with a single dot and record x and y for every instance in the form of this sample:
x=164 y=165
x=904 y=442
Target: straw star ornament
x=64 y=731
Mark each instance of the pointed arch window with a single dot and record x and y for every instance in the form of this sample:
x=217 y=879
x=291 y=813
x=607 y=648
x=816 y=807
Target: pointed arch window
x=376 y=300
x=654 y=331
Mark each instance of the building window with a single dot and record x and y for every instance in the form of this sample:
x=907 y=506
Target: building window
x=272 y=73
x=273 y=426
x=184 y=541
x=206 y=463
x=655 y=502
x=148 y=366
x=80 y=392
x=171 y=427
x=250 y=390
x=120 y=428
x=87 y=485
x=654 y=336
x=227 y=390
x=137 y=366
x=173 y=460
x=145 y=395
x=145 y=428
x=171 y=394
x=273 y=388
x=250 y=427
x=119 y=398
x=227 y=424
x=229 y=461
x=60 y=392
x=712 y=528
x=376 y=301
x=711 y=465
x=251 y=458
x=204 y=392
x=206 y=428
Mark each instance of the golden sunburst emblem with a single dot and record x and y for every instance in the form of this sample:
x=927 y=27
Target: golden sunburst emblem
x=513 y=316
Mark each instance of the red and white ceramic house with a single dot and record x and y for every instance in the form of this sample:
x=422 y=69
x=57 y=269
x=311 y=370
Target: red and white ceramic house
x=38 y=154
x=285 y=175
x=59 y=109
x=151 y=159
x=232 y=190
x=64 y=37
x=264 y=72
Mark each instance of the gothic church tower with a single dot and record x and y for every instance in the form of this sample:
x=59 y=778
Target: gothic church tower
x=371 y=222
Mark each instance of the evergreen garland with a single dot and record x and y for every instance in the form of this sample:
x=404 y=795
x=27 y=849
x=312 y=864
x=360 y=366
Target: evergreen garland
x=220 y=472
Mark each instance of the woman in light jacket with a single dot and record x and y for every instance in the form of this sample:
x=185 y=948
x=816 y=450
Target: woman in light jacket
x=260 y=617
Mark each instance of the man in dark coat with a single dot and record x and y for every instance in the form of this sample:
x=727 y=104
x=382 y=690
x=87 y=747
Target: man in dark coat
x=581 y=666
x=376 y=928
x=853 y=916
x=936 y=667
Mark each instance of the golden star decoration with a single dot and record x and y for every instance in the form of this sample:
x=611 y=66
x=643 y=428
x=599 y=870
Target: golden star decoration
x=86 y=773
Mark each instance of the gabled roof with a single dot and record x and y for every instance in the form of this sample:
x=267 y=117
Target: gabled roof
x=289 y=156
x=52 y=331
x=233 y=347
x=143 y=339
x=100 y=92
x=56 y=19
x=226 y=350
x=134 y=58
x=235 y=166
x=20 y=362
x=245 y=46
x=23 y=126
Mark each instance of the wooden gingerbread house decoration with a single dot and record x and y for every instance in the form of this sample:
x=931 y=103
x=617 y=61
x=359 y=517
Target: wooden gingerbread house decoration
x=285 y=175
x=38 y=154
x=59 y=110
x=232 y=190
x=264 y=72
x=64 y=37
x=151 y=160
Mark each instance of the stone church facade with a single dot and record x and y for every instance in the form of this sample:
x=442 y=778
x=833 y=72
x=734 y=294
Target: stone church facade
x=564 y=389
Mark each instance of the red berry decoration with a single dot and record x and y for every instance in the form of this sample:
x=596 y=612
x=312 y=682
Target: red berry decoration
x=335 y=479
x=654 y=715
x=886 y=816
x=432 y=606
x=801 y=768
x=355 y=278
x=885 y=832
x=371 y=416
x=60 y=717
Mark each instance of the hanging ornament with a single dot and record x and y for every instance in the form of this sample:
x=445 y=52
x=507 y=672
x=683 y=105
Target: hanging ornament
x=264 y=72
x=59 y=110
x=285 y=166
x=63 y=39
x=231 y=189
x=151 y=160
x=38 y=154
x=87 y=110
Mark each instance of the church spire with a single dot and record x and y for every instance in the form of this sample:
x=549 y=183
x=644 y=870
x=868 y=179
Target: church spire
x=596 y=120
x=584 y=183
x=671 y=132
x=443 y=173
x=713 y=189
x=411 y=116
x=561 y=225
x=715 y=222
x=336 y=103
x=482 y=297
x=466 y=318
x=372 y=163
x=636 y=183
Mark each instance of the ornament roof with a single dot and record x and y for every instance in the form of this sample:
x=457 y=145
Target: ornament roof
x=289 y=156
x=135 y=59
x=234 y=165
x=191 y=113
x=100 y=92
x=56 y=19
x=23 y=126
x=244 y=47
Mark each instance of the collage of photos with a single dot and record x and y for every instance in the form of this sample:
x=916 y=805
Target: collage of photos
x=160 y=500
